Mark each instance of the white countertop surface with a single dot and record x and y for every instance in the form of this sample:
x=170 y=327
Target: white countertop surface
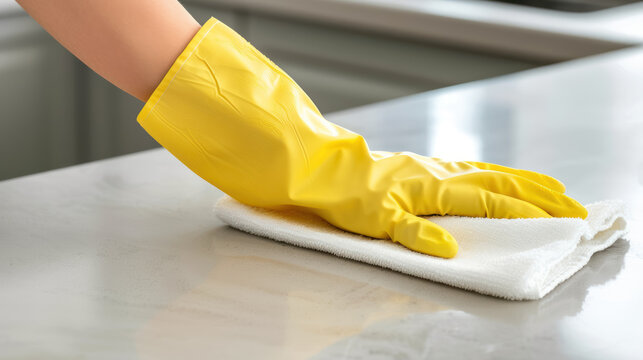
x=124 y=259
x=507 y=28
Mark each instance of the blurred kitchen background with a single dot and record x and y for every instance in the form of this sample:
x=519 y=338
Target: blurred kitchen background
x=56 y=112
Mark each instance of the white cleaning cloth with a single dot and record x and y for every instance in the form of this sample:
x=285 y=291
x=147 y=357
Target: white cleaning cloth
x=517 y=259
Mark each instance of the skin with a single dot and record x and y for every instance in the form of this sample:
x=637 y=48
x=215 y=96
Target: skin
x=130 y=43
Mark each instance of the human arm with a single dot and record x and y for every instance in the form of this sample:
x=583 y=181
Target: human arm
x=132 y=44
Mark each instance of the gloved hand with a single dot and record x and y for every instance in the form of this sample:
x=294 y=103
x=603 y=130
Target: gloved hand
x=238 y=121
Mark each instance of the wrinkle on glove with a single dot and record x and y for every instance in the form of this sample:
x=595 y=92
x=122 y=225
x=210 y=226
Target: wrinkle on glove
x=515 y=259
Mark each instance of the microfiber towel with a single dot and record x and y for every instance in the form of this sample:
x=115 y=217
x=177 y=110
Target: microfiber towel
x=515 y=259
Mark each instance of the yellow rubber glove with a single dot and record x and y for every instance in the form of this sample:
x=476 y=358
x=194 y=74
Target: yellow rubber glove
x=238 y=121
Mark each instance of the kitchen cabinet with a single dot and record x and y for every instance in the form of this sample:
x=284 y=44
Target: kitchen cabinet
x=109 y=125
x=342 y=68
x=335 y=88
x=37 y=100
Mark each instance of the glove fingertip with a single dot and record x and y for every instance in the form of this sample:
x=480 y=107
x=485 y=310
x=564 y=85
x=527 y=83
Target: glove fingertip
x=580 y=211
x=446 y=248
x=424 y=236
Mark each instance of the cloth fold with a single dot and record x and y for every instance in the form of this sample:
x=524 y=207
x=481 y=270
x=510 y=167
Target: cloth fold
x=516 y=259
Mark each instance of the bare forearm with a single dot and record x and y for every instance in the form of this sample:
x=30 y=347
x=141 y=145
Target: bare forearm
x=132 y=44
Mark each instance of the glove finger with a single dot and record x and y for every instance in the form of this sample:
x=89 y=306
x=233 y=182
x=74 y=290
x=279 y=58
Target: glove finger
x=541 y=179
x=422 y=235
x=501 y=206
x=473 y=201
x=553 y=202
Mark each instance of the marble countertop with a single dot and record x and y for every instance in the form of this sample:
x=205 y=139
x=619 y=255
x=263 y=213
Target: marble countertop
x=123 y=258
x=509 y=29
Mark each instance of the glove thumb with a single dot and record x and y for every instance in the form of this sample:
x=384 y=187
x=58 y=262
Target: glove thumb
x=422 y=235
